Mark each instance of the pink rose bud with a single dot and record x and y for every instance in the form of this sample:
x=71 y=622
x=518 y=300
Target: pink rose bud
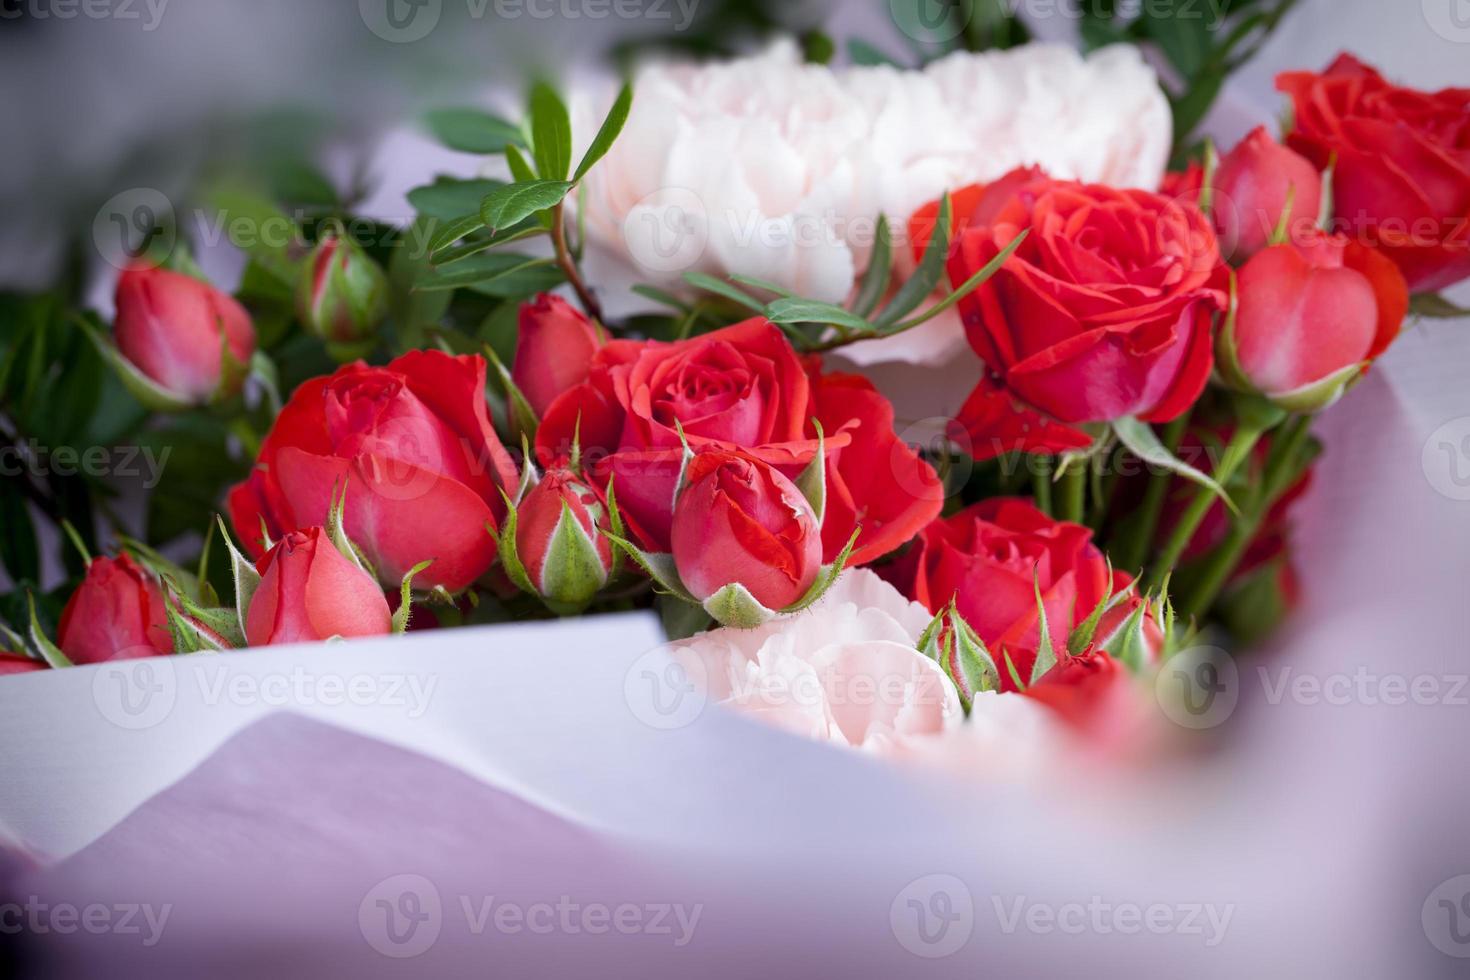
x=117 y=613
x=740 y=522
x=1311 y=313
x=15 y=663
x=1251 y=191
x=565 y=556
x=554 y=351
x=310 y=591
x=176 y=330
x=343 y=294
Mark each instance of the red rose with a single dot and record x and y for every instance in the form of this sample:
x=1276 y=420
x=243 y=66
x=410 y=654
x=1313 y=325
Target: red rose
x=1251 y=189
x=412 y=444
x=742 y=389
x=117 y=613
x=1308 y=311
x=175 y=329
x=1103 y=312
x=309 y=591
x=990 y=558
x=554 y=350
x=741 y=522
x=1402 y=181
x=1186 y=184
x=15 y=663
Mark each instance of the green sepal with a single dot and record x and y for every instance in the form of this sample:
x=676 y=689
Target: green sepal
x=1320 y=394
x=1436 y=307
x=405 y=597
x=222 y=622
x=1012 y=671
x=149 y=393
x=189 y=636
x=337 y=532
x=505 y=540
x=734 y=606
x=573 y=572
x=658 y=566
x=1081 y=636
x=50 y=652
x=826 y=578
x=1046 y=656
x=812 y=481
x=1127 y=645
x=242 y=570
x=523 y=420
x=961 y=654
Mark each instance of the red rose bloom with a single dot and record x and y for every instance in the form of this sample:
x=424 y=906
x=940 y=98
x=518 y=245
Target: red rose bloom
x=116 y=613
x=1402 y=181
x=554 y=349
x=309 y=591
x=413 y=446
x=15 y=663
x=991 y=557
x=1103 y=312
x=741 y=389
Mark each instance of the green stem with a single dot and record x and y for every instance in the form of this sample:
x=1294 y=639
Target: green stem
x=1282 y=469
x=1074 y=492
x=1136 y=549
x=1041 y=482
x=1236 y=452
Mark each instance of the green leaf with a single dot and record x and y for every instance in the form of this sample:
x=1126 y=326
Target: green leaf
x=242 y=570
x=523 y=420
x=794 y=309
x=1140 y=440
x=965 y=288
x=927 y=276
x=757 y=283
x=478 y=271
x=472 y=130
x=863 y=53
x=447 y=198
x=551 y=132
x=452 y=231
x=1435 y=306
x=879 y=271
x=721 y=288
x=611 y=127
x=512 y=203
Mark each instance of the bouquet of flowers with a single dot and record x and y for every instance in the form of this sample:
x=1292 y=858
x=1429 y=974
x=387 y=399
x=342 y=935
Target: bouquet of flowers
x=628 y=366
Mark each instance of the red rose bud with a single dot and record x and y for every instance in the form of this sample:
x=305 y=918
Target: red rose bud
x=554 y=351
x=177 y=332
x=15 y=663
x=117 y=613
x=1252 y=189
x=739 y=522
x=343 y=294
x=565 y=556
x=1402 y=180
x=1310 y=315
x=310 y=591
